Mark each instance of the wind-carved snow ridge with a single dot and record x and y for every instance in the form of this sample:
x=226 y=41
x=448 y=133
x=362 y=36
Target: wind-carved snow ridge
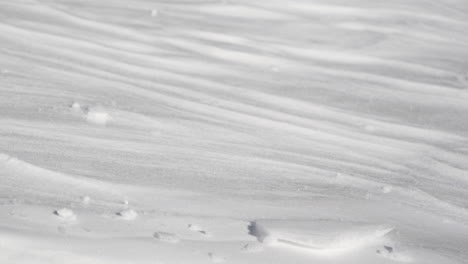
x=18 y=172
x=327 y=237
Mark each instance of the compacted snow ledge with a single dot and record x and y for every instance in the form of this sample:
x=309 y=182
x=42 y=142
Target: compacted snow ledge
x=233 y=131
x=327 y=237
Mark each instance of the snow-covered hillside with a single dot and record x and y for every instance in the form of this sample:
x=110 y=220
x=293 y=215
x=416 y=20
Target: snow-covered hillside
x=233 y=131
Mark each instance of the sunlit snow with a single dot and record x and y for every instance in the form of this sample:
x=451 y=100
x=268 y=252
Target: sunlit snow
x=233 y=131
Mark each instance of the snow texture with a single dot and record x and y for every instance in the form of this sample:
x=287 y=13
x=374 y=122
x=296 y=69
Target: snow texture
x=234 y=131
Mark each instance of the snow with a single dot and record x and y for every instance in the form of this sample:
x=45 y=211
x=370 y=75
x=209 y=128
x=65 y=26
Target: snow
x=85 y=200
x=198 y=229
x=253 y=247
x=215 y=258
x=233 y=131
x=98 y=117
x=128 y=214
x=166 y=237
x=65 y=214
x=322 y=236
x=154 y=12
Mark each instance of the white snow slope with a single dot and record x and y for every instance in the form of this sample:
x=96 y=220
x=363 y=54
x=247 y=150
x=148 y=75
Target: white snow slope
x=235 y=131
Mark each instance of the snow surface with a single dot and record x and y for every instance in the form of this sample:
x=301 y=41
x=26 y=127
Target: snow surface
x=233 y=131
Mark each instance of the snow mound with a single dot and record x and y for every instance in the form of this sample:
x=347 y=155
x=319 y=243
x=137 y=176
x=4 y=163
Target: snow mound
x=128 y=214
x=97 y=117
x=85 y=200
x=320 y=236
x=252 y=247
x=215 y=258
x=166 y=237
x=76 y=107
x=389 y=253
x=65 y=214
x=386 y=189
x=199 y=229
